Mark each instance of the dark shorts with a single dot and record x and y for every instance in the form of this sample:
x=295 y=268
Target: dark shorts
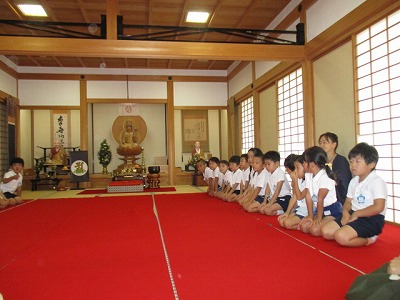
x=237 y=192
x=365 y=226
x=333 y=210
x=9 y=195
x=259 y=199
x=284 y=201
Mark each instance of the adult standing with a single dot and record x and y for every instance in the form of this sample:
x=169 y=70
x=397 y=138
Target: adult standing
x=338 y=163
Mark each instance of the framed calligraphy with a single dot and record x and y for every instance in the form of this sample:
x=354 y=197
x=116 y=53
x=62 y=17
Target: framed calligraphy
x=194 y=128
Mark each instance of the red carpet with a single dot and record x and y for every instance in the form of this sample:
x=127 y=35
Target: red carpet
x=104 y=191
x=227 y=253
x=110 y=248
x=92 y=248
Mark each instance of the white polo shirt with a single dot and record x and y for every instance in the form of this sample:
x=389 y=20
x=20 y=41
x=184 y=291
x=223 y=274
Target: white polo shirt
x=301 y=204
x=274 y=178
x=321 y=181
x=207 y=174
x=236 y=178
x=11 y=186
x=363 y=194
x=261 y=181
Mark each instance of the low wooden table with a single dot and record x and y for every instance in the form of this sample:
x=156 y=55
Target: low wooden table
x=53 y=182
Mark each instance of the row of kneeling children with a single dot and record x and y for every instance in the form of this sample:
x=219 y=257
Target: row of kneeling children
x=257 y=182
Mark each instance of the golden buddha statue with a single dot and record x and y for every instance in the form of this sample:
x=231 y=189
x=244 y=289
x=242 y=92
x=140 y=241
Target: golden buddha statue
x=129 y=147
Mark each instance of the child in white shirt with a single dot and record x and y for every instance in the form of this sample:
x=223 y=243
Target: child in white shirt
x=363 y=215
x=278 y=192
x=11 y=186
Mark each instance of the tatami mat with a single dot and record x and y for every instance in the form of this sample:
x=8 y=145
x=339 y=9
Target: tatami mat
x=50 y=194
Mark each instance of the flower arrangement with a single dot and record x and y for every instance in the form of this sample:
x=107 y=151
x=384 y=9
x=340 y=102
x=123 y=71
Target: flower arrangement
x=193 y=161
x=104 y=153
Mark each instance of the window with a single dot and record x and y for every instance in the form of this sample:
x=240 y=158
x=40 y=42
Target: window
x=377 y=51
x=247 y=113
x=291 y=114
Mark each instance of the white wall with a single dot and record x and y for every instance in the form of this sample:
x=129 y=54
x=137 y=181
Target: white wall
x=49 y=92
x=8 y=84
x=324 y=13
x=147 y=90
x=200 y=93
x=26 y=137
x=241 y=80
x=41 y=131
x=263 y=67
x=268 y=120
x=334 y=99
x=107 y=89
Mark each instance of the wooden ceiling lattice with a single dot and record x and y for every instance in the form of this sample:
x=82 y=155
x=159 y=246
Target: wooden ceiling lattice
x=224 y=14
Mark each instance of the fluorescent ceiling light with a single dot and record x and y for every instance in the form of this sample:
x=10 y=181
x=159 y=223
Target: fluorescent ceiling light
x=197 y=17
x=34 y=10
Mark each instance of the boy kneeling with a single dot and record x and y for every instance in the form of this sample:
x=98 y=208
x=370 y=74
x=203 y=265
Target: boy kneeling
x=363 y=215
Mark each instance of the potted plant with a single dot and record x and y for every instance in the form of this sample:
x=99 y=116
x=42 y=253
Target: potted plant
x=39 y=165
x=104 y=155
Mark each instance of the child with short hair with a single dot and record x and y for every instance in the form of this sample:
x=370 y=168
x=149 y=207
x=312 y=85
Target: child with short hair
x=257 y=185
x=202 y=167
x=11 y=186
x=224 y=178
x=363 y=215
x=291 y=220
x=213 y=163
x=278 y=192
x=235 y=180
x=250 y=155
x=246 y=168
x=321 y=191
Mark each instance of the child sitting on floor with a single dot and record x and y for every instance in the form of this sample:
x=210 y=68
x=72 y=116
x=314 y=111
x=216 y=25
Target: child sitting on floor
x=224 y=178
x=202 y=167
x=363 y=215
x=11 y=186
x=250 y=155
x=278 y=192
x=254 y=195
x=245 y=167
x=291 y=220
x=213 y=163
x=321 y=191
x=235 y=180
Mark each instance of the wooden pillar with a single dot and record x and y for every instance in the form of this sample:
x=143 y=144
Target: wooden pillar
x=84 y=140
x=170 y=131
x=309 y=110
x=231 y=127
x=257 y=116
x=112 y=12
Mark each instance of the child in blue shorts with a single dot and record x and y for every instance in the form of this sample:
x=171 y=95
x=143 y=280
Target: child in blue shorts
x=321 y=191
x=363 y=215
x=291 y=219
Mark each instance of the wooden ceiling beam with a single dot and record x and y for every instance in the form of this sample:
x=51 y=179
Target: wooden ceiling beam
x=10 y=45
